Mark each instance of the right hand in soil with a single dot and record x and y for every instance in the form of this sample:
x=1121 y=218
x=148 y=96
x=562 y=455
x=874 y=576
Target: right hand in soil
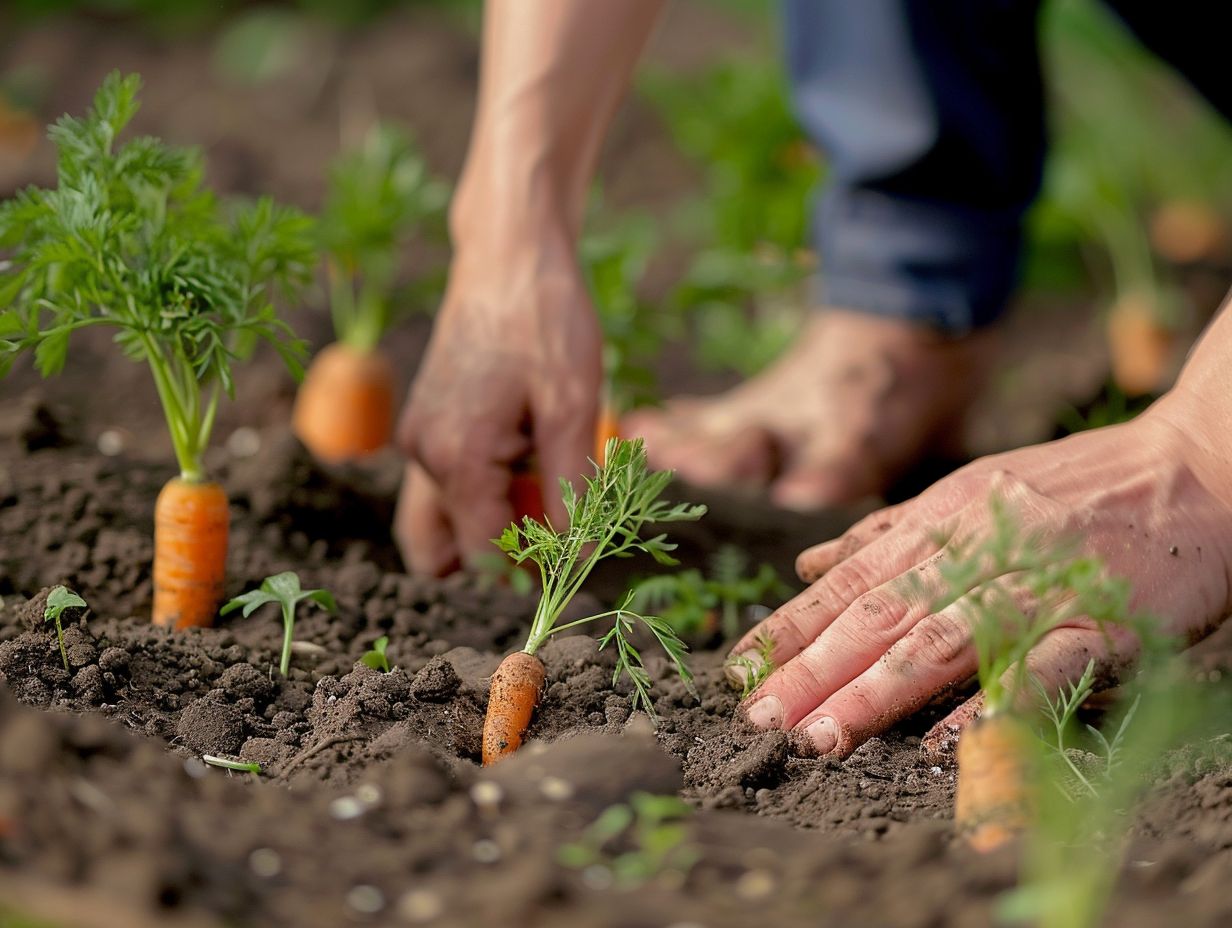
x=510 y=381
x=862 y=648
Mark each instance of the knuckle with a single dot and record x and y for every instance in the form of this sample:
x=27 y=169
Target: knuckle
x=849 y=580
x=939 y=642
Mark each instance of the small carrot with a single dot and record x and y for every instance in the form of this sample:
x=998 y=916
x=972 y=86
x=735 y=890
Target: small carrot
x=1141 y=346
x=604 y=521
x=345 y=406
x=992 y=803
x=191 y=522
x=607 y=428
x=516 y=687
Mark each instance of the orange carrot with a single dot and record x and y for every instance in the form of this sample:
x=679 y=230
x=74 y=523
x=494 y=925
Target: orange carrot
x=516 y=687
x=993 y=802
x=1189 y=231
x=1142 y=348
x=607 y=427
x=190 y=552
x=345 y=407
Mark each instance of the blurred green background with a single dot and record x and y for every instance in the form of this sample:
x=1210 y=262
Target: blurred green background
x=696 y=248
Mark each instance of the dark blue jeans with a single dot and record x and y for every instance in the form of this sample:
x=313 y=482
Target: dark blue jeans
x=931 y=113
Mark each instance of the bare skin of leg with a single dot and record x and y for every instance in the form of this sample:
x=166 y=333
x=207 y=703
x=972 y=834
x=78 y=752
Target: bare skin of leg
x=854 y=403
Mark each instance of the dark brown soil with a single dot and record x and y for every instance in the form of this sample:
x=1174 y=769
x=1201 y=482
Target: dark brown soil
x=370 y=808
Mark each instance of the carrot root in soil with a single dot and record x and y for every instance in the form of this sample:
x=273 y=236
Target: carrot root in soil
x=345 y=406
x=514 y=694
x=191 y=522
x=992 y=803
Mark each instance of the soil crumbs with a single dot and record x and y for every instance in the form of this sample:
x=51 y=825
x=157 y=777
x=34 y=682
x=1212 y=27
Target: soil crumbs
x=370 y=807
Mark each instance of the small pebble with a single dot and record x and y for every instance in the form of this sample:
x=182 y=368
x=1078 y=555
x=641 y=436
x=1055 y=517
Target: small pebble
x=244 y=442
x=556 y=789
x=345 y=808
x=597 y=876
x=111 y=442
x=368 y=793
x=265 y=862
x=486 y=851
x=486 y=794
x=754 y=885
x=367 y=900
x=195 y=767
x=420 y=905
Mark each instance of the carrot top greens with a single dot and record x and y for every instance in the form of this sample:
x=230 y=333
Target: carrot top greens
x=606 y=520
x=379 y=193
x=130 y=238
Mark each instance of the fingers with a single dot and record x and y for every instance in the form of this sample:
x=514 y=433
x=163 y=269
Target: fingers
x=564 y=446
x=816 y=561
x=867 y=629
x=1059 y=659
x=796 y=624
x=421 y=526
x=935 y=655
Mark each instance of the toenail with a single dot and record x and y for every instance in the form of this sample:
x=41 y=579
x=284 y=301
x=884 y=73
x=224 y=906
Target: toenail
x=824 y=735
x=766 y=712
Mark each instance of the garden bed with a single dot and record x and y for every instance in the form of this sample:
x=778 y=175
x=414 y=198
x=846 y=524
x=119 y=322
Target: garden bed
x=371 y=807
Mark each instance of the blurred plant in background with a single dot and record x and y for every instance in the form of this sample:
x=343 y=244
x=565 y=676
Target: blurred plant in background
x=1139 y=179
x=742 y=291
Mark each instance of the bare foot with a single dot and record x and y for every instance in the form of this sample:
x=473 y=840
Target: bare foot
x=856 y=401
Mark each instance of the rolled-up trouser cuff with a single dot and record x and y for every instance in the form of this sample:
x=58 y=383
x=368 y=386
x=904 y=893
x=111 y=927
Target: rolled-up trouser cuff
x=943 y=265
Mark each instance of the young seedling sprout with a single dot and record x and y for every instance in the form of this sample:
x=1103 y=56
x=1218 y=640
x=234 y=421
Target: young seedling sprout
x=130 y=239
x=606 y=520
x=227 y=764
x=375 y=658
x=694 y=603
x=59 y=599
x=283 y=589
x=753 y=672
x=379 y=194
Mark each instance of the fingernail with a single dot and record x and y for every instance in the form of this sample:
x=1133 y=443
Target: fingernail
x=824 y=735
x=766 y=712
x=743 y=665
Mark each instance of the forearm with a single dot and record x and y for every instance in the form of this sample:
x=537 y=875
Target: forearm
x=1200 y=405
x=552 y=75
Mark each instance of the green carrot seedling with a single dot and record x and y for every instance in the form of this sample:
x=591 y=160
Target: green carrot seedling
x=130 y=239
x=693 y=603
x=59 y=599
x=284 y=589
x=636 y=842
x=375 y=658
x=379 y=194
x=607 y=520
x=753 y=672
x=995 y=752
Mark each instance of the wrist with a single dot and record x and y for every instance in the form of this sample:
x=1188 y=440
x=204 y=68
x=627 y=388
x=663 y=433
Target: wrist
x=1204 y=430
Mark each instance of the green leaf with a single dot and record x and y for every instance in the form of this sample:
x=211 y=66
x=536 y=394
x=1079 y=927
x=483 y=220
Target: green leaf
x=59 y=599
x=52 y=352
x=250 y=601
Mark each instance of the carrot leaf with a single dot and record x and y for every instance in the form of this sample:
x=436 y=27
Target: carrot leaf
x=131 y=239
x=606 y=520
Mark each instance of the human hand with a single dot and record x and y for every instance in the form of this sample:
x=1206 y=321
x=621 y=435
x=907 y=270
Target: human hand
x=862 y=648
x=512 y=374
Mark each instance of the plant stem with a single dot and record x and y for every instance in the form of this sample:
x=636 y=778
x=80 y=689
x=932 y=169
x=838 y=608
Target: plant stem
x=60 y=639
x=288 y=628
